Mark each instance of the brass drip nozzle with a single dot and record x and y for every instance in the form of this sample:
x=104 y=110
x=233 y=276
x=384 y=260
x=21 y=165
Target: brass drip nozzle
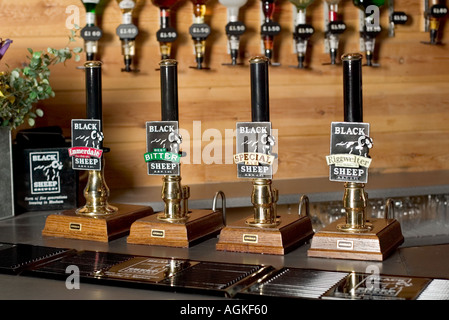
x=355 y=201
x=264 y=199
x=175 y=199
x=96 y=193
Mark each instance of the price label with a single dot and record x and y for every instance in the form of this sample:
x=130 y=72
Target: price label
x=91 y=33
x=270 y=28
x=166 y=35
x=337 y=27
x=236 y=28
x=399 y=17
x=199 y=30
x=127 y=31
x=438 y=11
x=372 y=30
x=304 y=31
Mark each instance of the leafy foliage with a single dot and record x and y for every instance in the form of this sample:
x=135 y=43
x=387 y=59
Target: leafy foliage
x=21 y=88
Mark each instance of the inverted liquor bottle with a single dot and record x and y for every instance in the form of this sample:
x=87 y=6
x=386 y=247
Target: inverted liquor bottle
x=303 y=31
x=127 y=33
x=335 y=28
x=371 y=27
x=269 y=28
x=234 y=27
x=166 y=35
x=91 y=33
x=199 y=31
x=436 y=11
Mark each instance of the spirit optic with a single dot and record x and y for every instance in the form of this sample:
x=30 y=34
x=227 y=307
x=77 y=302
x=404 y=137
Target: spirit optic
x=199 y=31
x=234 y=28
x=166 y=34
x=303 y=31
x=335 y=27
x=371 y=28
x=269 y=28
x=91 y=33
x=127 y=32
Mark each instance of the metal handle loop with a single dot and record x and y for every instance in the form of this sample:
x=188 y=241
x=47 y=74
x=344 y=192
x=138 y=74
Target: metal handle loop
x=223 y=204
x=389 y=208
x=304 y=201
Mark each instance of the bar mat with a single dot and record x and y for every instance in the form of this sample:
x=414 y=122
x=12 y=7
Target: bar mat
x=14 y=258
x=438 y=289
x=149 y=272
x=88 y=264
x=295 y=284
x=361 y=286
x=214 y=278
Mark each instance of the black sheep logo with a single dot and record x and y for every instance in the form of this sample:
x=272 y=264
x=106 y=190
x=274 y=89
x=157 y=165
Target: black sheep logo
x=93 y=140
x=51 y=171
x=362 y=145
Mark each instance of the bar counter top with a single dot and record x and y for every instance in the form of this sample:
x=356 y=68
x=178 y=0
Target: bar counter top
x=418 y=256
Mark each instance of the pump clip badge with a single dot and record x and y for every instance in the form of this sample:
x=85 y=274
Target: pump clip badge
x=349 y=159
x=163 y=148
x=254 y=144
x=86 y=147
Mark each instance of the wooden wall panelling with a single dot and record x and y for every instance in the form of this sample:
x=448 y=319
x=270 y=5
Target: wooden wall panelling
x=405 y=100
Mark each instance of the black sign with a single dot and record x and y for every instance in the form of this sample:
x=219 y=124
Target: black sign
x=254 y=144
x=337 y=27
x=438 y=11
x=91 y=33
x=349 y=159
x=163 y=148
x=45 y=180
x=235 y=28
x=127 y=31
x=166 y=35
x=199 y=30
x=399 y=17
x=87 y=141
x=304 y=31
x=270 y=28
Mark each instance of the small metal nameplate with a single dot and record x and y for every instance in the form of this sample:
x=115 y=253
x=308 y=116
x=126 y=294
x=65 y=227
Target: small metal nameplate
x=250 y=238
x=157 y=233
x=349 y=159
x=75 y=226
x=345 y=244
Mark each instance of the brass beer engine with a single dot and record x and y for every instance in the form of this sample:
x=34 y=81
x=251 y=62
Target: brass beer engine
x=265 y=231
x=354 y=236
x=97 y=220
x=177 y=225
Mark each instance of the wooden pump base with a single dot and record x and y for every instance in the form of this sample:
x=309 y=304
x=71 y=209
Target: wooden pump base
x=69 y=224
x=199 y=225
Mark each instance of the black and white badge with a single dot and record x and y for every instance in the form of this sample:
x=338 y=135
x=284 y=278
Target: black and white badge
x=45 y=172
x=163 y=148
x=87 y=144
x=254 y=146
x=349 y=158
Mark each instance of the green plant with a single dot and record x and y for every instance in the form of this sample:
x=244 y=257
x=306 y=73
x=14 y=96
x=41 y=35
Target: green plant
x=21 y=88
